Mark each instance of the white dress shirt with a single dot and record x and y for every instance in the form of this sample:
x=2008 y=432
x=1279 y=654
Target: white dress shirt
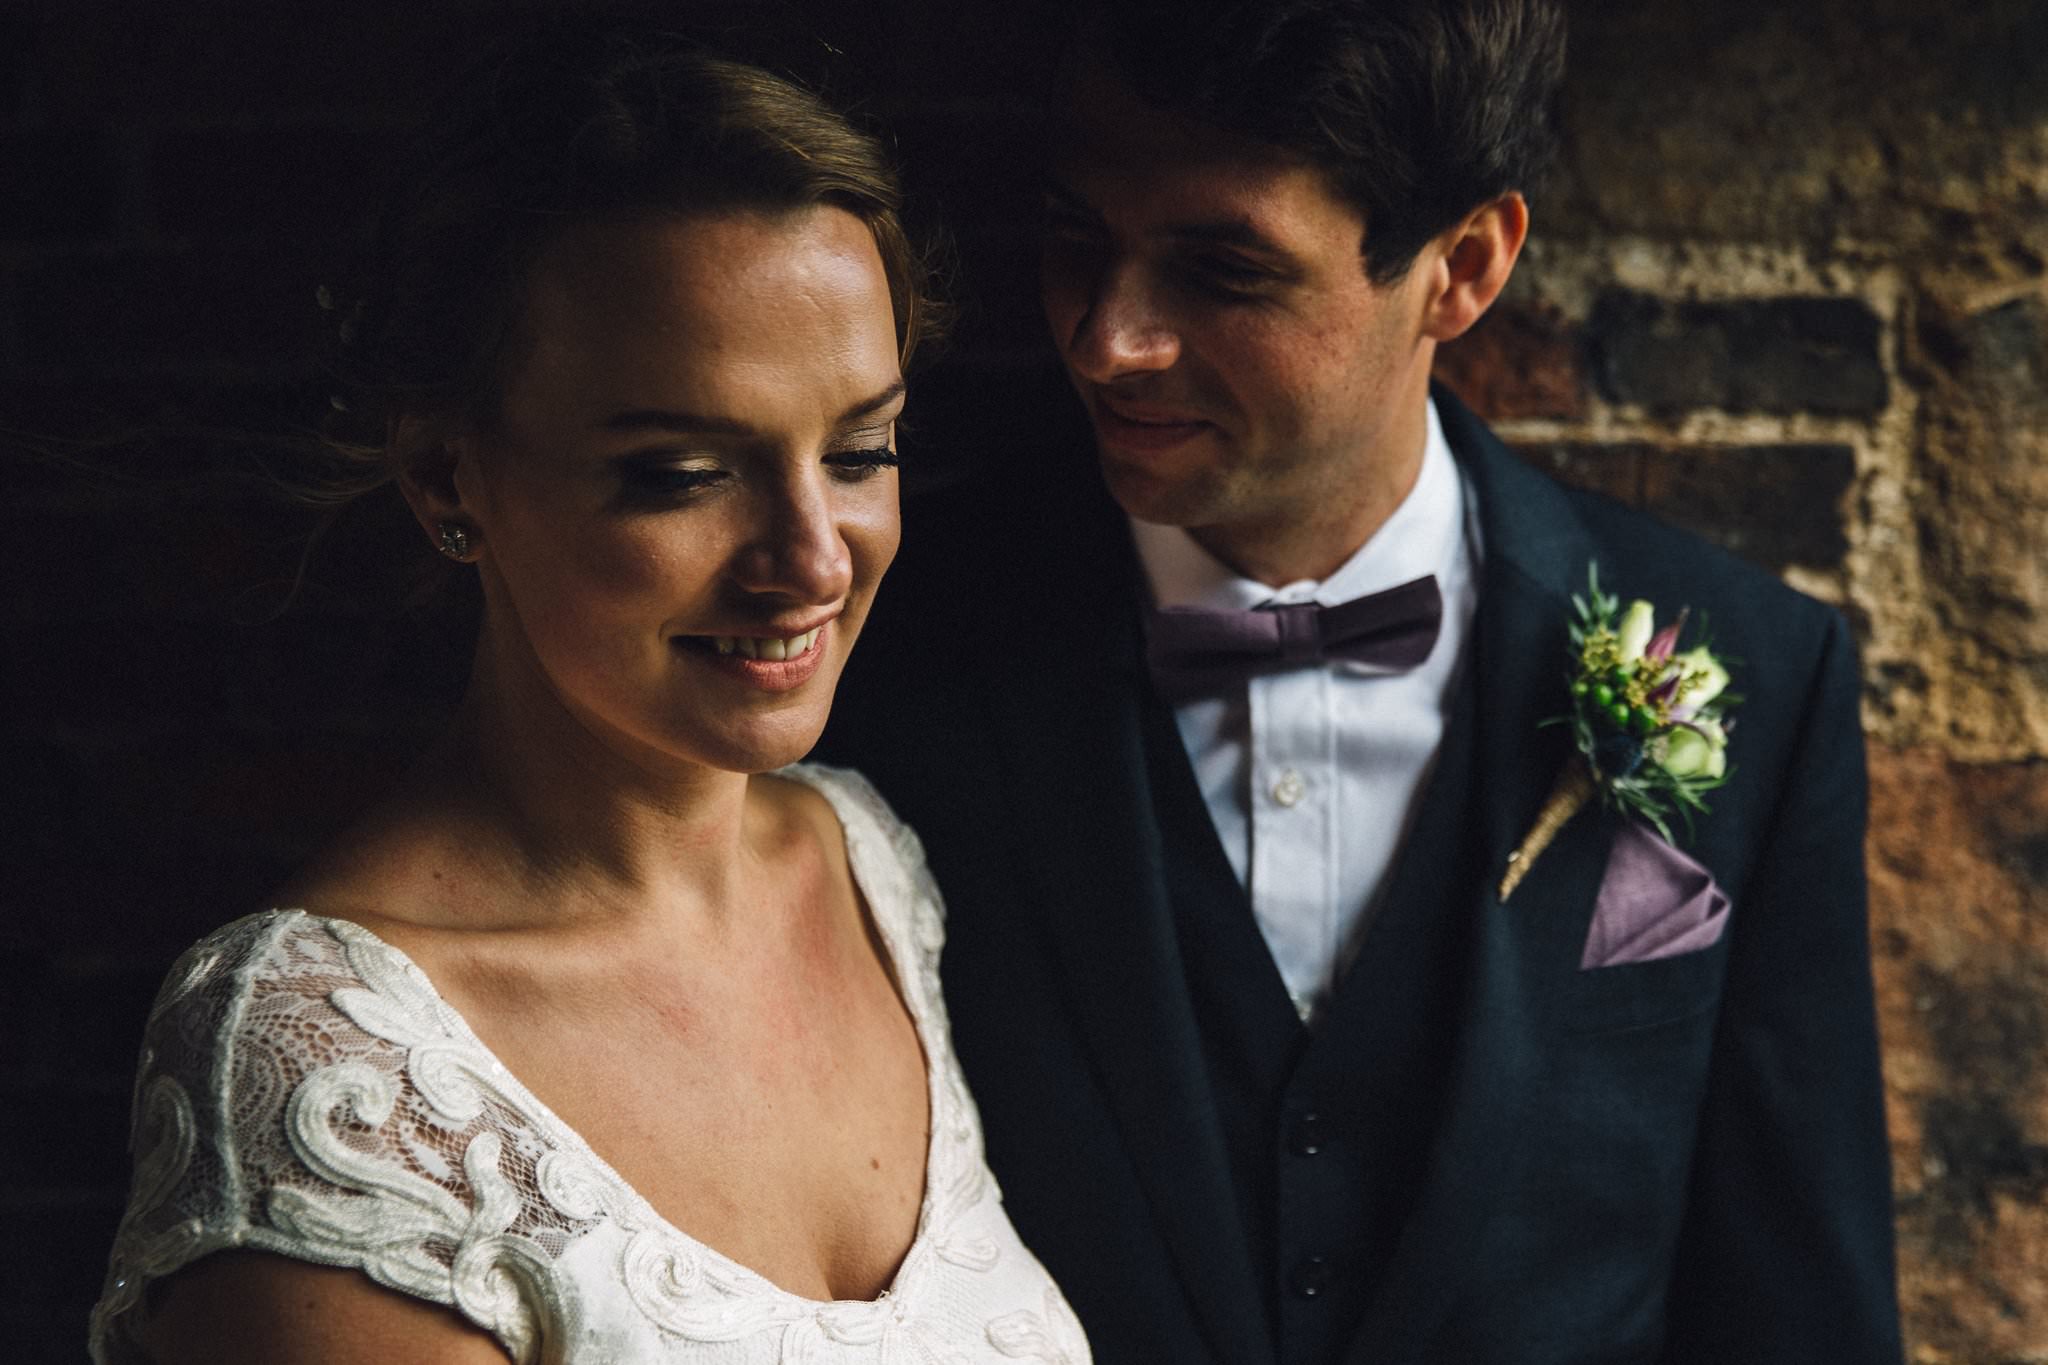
x=1313 y=775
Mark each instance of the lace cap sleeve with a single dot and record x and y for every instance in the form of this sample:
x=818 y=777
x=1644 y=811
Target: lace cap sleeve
x=870 y=821
x=302 y=1090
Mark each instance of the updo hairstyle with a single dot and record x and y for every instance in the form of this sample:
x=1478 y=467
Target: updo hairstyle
x=580 y=123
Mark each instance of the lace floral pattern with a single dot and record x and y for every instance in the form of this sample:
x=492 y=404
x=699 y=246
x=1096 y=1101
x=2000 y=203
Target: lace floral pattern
x=304 y=1090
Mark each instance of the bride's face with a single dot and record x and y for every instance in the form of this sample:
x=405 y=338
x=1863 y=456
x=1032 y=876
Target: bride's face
x=689 y=495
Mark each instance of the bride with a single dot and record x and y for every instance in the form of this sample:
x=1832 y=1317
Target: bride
x=610 y=1037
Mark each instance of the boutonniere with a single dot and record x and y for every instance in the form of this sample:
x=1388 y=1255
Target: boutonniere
x=1650 y=722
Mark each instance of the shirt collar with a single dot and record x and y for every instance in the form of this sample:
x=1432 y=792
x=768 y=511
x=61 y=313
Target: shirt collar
x=1424 y=535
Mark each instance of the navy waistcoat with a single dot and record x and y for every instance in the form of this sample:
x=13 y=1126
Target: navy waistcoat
x=1327 y=1132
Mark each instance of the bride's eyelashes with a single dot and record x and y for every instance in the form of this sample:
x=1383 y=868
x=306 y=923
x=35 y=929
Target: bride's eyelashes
x=650 y=478
x=653 y=479
x=856 y=465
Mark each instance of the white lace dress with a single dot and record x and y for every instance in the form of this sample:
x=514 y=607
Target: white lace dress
x=303 y=1090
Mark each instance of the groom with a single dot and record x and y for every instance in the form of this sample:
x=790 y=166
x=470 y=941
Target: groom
x=1269 y=1072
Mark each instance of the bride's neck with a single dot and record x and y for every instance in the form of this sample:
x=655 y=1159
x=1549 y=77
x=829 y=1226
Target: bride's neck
x=581 y=817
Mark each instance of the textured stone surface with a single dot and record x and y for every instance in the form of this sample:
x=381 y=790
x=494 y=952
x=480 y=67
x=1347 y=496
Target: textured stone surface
x=1959 y=921
x=1979 y=486
x=1521 y=360
x=1899 y=122
x=1774 y=505
x=1779 y=356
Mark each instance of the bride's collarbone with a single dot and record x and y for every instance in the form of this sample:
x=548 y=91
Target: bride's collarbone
x=760 y=1086
x=771 y=1103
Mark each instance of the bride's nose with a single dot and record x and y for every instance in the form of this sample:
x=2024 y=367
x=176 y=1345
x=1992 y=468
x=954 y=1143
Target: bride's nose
x=796 y=548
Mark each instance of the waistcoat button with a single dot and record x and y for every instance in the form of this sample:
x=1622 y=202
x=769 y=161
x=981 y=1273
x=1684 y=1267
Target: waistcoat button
x=1310 y=1135
x=1310 y=1277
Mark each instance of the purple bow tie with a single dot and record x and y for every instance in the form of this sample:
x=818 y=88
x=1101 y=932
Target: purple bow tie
x=1203 y=651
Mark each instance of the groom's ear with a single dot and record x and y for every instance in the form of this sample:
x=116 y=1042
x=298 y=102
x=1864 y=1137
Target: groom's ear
x=1470 y=265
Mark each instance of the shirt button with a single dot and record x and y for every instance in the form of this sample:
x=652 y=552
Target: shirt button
x=1311 y=1134
x=1310 y=1277
x=1289 y=790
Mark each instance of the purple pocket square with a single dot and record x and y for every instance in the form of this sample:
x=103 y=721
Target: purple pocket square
x=1654 y=902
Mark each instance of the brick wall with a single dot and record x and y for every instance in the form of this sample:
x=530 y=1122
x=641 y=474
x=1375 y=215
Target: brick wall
x=1790 y=291
x=1787 y=290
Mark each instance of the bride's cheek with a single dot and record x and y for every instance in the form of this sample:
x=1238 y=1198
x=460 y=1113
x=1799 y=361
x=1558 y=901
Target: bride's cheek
x=873 y=529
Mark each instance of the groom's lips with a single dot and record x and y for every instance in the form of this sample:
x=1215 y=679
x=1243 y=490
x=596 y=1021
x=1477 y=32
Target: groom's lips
x=1137 y=426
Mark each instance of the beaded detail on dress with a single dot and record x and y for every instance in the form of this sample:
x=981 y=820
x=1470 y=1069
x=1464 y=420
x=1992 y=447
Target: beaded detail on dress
x=304 y=1090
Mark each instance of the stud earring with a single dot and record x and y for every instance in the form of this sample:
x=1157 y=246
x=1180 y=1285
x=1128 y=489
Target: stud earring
x=455 y=541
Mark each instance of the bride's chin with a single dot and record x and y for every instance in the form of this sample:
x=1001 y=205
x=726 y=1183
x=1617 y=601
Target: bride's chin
x=764 y=749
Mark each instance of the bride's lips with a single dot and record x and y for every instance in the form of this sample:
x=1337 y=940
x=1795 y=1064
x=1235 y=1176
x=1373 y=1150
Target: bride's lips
x=750 y=658
x=1135 y=426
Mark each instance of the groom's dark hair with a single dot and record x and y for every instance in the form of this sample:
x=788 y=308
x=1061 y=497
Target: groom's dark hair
x=1419 y=111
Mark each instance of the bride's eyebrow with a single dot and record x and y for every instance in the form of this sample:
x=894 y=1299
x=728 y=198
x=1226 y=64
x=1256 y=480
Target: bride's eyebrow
x=868 y=407
x=698 y=424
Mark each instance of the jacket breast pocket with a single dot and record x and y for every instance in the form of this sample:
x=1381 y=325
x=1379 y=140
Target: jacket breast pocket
x=1646 y=994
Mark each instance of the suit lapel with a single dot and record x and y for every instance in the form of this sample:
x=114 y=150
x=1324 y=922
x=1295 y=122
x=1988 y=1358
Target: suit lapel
x=1068 y=725
x=1536 y=554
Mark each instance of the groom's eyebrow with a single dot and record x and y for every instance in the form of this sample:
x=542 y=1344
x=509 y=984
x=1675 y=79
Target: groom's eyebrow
x=1222 y=231
x=700 y=424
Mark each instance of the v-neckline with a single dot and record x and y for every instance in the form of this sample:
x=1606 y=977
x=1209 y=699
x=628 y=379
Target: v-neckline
x=895 y=931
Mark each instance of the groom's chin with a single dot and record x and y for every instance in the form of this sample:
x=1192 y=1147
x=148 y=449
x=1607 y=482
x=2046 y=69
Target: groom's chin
x=1151 y=491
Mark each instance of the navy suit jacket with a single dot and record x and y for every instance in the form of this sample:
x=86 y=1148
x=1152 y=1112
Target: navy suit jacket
x=1680 y=1160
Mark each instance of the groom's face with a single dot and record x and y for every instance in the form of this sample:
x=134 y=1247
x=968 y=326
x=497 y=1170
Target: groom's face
x=1210 y=299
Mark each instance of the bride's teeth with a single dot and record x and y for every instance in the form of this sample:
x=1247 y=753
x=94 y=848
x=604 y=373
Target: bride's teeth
x=756 y=647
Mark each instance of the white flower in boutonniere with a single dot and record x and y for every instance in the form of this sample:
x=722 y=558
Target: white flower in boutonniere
x=1650 y=724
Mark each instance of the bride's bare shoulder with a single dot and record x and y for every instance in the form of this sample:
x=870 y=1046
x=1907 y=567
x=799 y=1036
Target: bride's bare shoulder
x=404 y=870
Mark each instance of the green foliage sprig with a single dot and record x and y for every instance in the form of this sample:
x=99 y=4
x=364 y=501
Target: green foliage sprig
x=1650 y=720
x=1650 y=724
